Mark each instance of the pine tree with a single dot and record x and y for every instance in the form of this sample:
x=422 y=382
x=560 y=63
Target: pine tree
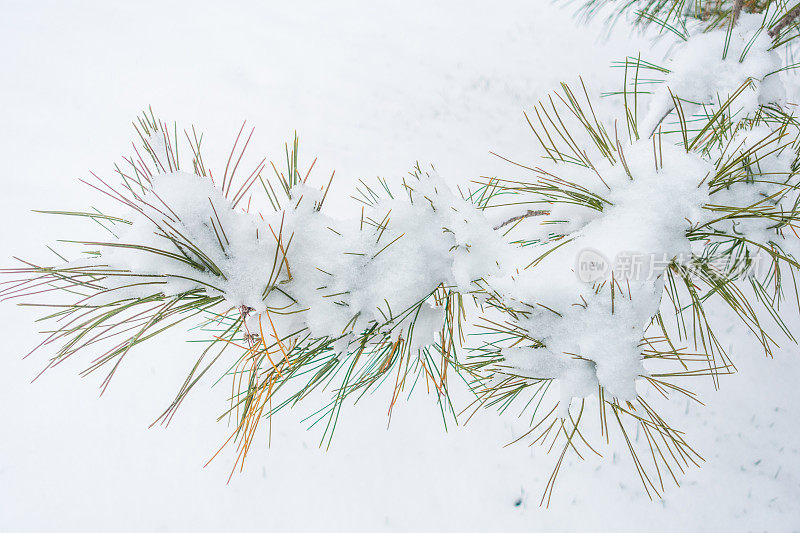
x=582 y=282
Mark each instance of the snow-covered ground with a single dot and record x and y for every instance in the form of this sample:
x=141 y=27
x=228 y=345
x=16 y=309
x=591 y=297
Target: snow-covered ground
x=370 y=87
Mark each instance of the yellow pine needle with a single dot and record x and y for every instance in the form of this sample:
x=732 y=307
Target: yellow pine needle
x=278 y=339
x=388 y=360
x=428 y=373
x=280 y=245
x=266 y=350
x=396 y=391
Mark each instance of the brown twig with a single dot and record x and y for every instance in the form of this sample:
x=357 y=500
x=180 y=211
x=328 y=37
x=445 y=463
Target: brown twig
x=737 y=10
x=528 y=213
x=785 y=20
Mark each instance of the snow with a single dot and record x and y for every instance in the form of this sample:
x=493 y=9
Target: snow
x=371 y=89
x=344 y=277
x=179 y=207
x=181 y=233
x=704 y=72
x=347 y=275
x=650 y=208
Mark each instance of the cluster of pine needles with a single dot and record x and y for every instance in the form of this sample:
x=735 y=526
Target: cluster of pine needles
x=751 y=279
x=268 y=369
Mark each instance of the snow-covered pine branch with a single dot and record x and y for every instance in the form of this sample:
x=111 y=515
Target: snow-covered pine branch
x=583 y=281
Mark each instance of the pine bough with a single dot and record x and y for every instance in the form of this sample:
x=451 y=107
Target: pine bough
x=583 y=280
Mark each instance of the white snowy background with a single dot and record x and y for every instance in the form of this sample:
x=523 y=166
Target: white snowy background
x=371 y=87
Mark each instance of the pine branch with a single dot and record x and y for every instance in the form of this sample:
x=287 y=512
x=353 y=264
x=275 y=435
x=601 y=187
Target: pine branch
x=293 y=300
